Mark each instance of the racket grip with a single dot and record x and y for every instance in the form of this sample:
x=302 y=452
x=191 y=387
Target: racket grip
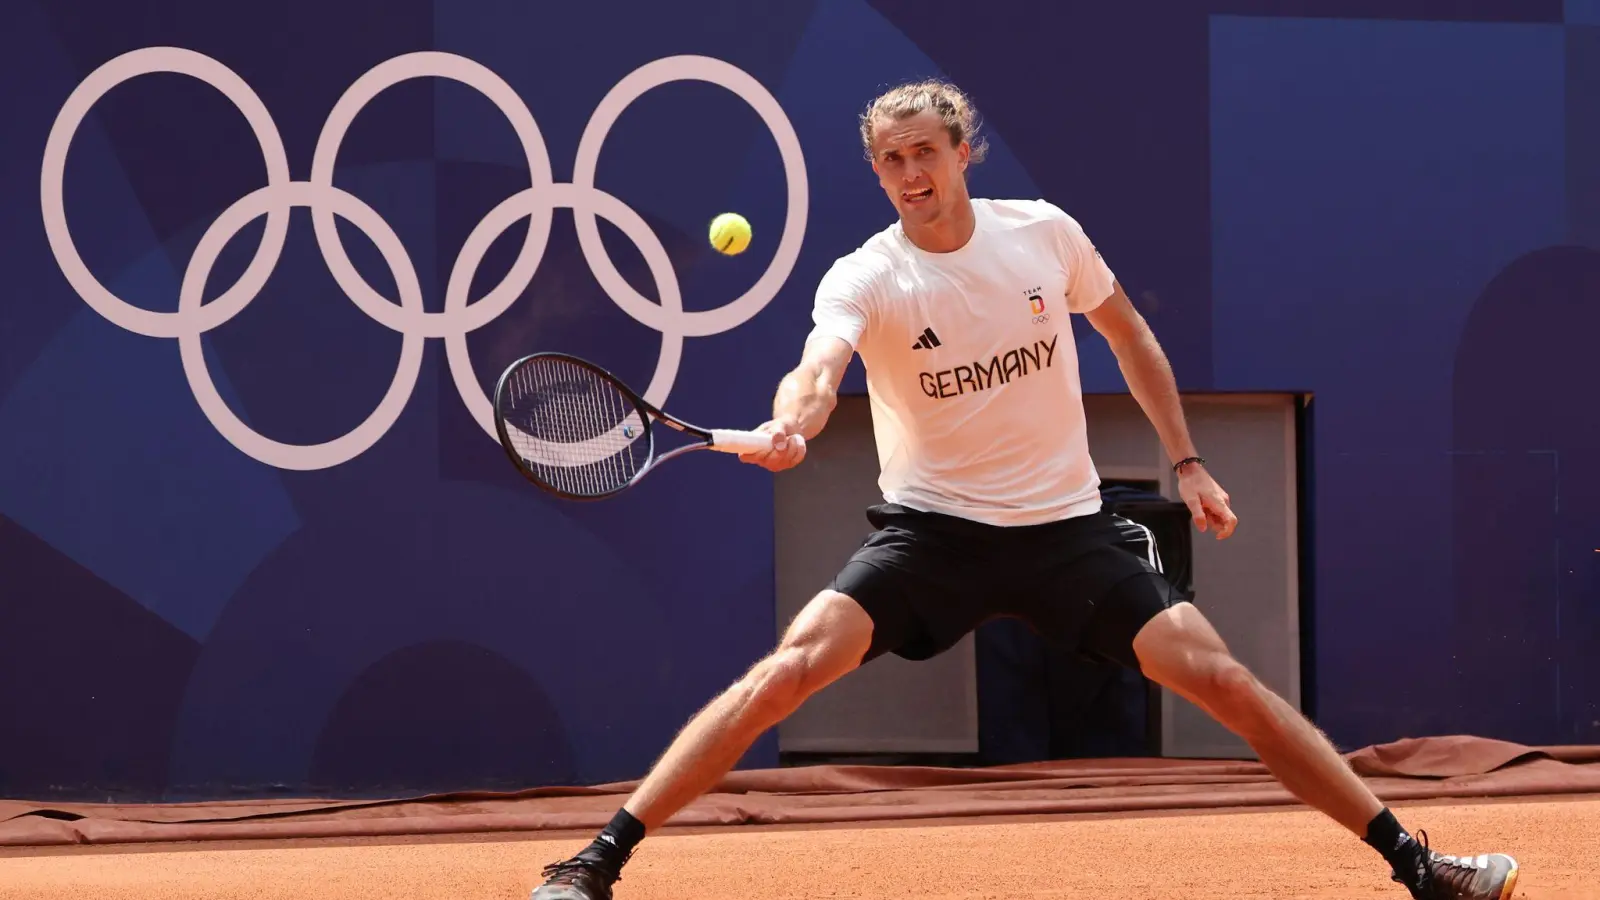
x=745 y=441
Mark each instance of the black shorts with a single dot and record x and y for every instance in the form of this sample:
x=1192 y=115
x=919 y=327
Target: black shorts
x=1088 y=583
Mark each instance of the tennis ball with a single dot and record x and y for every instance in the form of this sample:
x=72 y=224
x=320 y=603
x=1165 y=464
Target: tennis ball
x=730 y=233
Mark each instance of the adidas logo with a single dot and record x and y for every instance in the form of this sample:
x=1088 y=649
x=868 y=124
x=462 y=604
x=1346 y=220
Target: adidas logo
x=927 y=341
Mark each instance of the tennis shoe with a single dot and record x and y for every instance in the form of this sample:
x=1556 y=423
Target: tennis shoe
x=1486 y=876
x=578 y=878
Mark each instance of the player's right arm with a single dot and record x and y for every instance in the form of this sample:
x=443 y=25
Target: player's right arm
x=805 y=399
x=807 y=395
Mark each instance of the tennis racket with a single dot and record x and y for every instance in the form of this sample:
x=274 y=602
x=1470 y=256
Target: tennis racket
x=577 y=431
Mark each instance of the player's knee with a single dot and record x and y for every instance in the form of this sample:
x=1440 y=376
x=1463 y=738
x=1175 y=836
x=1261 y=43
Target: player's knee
x=777 y=685
x=1231 y=681
x=1231 y=689
x=827 y=639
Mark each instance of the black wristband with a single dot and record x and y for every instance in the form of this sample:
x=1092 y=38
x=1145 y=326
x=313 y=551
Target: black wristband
x=1184 y=462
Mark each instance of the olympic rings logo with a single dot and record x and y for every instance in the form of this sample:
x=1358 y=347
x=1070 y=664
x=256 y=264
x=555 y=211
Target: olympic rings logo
x=1041 y=319
x=459 y=317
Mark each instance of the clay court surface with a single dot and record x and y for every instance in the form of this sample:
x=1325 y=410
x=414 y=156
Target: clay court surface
x=1136 y=829
x=1277 y=854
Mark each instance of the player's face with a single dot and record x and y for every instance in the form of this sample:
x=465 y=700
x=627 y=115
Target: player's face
x=918 y=166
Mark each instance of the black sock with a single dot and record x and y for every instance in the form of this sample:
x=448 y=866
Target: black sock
x=616 y=841
x=1402 y=851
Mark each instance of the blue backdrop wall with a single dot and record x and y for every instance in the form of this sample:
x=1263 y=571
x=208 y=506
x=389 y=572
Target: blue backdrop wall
x=267 y=543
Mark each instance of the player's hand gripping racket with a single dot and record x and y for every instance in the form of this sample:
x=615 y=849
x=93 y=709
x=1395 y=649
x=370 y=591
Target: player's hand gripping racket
x=577 y=431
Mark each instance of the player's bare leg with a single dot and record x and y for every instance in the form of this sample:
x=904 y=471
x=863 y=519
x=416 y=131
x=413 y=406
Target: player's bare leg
x=824 y=642
x=1182 y=651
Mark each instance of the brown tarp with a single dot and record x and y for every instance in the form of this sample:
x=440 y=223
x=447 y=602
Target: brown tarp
x=1416 y=769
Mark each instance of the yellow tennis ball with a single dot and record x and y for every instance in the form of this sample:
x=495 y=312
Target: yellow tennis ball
x=730 y=233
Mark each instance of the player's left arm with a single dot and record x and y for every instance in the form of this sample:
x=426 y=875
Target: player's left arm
x=1149 y=375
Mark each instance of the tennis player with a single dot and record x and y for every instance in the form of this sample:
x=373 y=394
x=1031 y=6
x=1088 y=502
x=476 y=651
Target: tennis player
x=961 y=312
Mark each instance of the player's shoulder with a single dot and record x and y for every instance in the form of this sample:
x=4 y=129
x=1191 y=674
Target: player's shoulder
x=871 y=263
x=1021 y=212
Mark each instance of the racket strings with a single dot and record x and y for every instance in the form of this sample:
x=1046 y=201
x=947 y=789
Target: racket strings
x=573 y=427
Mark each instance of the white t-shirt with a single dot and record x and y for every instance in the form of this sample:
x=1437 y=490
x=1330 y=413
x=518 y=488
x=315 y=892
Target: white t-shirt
x=971 y=367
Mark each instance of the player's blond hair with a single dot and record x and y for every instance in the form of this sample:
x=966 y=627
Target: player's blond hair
x=953 y=106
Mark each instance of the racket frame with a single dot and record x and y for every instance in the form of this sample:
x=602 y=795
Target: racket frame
x=705 y=439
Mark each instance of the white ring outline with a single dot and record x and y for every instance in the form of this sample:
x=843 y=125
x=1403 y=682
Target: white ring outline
x=459 y=316
x=529 y=202
x=355 y=98
x=377 y=424
x=52 y=182
x=630 y=88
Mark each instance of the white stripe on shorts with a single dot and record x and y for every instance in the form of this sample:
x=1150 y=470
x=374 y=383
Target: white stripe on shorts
x=1153 y=556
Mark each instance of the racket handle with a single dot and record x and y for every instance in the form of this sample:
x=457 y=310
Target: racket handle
x=745 y=441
